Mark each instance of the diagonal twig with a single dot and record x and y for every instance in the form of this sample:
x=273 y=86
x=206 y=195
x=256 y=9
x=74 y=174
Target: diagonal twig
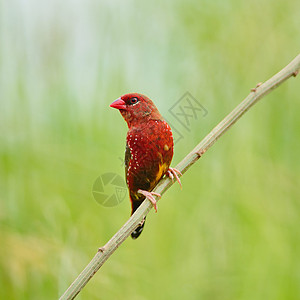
x=107 y=250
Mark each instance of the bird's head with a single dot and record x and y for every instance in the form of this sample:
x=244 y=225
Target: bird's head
x=136 y=108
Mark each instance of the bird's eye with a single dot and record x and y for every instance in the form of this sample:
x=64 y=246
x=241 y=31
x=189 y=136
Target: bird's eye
x=133 y=100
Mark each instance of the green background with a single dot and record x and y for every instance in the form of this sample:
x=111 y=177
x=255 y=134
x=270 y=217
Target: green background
x=232 y=232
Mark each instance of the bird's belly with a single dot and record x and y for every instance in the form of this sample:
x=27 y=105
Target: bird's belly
x=146 y=175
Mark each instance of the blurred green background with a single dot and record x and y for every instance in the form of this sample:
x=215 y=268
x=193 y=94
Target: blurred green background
x=233 y=231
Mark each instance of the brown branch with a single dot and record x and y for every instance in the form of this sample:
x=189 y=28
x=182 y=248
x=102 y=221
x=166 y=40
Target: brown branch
x=105 y=252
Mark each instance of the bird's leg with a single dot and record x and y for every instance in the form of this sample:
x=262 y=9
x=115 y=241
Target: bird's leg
x=149 y=196
x=173 y=172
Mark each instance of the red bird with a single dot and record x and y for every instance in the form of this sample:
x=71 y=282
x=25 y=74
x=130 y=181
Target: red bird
x=149 y=149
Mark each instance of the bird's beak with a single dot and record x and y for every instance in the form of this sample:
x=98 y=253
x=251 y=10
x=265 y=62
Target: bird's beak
x=118 y=104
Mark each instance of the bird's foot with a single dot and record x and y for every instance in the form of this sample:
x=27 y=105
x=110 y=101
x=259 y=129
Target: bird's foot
x=172 y=172
x=149 y=196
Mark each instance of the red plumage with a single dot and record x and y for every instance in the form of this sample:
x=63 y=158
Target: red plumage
x=149 y=148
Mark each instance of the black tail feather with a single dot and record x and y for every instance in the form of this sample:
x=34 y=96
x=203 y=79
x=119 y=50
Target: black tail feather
x=136 y=233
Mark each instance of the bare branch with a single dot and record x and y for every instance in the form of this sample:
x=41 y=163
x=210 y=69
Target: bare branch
x=106 y=251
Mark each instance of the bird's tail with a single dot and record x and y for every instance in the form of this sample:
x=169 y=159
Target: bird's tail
x=136 y=233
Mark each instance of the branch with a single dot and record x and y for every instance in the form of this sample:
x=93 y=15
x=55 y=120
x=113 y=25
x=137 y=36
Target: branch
x=105 y=252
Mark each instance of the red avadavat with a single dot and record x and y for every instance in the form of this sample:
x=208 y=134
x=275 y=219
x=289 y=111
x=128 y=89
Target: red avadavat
x=149 y=149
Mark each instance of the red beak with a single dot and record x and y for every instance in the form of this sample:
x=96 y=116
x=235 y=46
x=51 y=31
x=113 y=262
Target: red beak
x=118 y=104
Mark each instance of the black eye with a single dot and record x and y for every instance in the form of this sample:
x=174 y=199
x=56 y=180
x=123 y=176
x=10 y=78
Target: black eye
x=133 y=100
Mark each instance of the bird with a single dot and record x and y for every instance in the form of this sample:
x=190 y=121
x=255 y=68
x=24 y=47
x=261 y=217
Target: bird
x=149 y=150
